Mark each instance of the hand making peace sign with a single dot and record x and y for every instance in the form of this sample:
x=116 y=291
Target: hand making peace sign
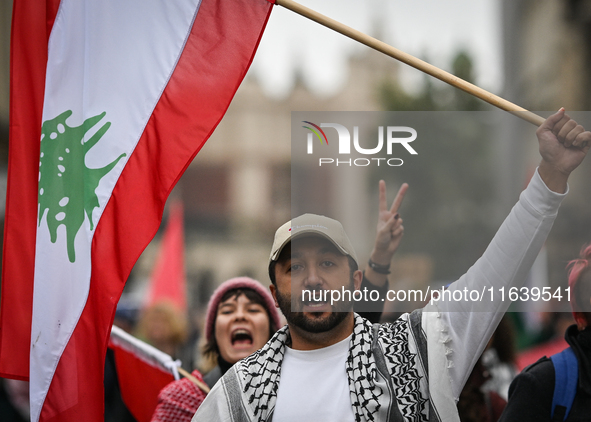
x=390 y=229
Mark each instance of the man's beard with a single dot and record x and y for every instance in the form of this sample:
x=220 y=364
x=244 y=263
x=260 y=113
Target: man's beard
x=310 y=324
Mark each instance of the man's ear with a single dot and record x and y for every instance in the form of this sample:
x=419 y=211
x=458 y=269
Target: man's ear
x=274 y=294
x=357 y=279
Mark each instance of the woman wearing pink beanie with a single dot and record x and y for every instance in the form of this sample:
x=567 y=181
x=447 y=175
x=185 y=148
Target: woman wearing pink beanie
x=241 y=317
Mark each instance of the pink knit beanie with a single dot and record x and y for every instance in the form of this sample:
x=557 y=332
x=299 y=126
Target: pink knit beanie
x=237 y=283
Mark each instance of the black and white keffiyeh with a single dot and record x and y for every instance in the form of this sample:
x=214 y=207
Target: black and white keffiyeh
x=386 y=367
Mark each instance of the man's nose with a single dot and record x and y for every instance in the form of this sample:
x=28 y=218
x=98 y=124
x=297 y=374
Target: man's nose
x=313 y=277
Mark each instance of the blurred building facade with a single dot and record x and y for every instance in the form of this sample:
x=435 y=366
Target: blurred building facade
x=547 y=50
x=237 y=191
x=547 y=65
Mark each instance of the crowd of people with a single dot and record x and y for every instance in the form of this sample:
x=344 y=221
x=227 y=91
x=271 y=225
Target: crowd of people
x=329 y=363
x=446 y=361
x=271 y=354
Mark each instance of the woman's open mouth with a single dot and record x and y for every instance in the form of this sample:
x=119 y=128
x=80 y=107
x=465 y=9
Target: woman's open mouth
x=241 y=336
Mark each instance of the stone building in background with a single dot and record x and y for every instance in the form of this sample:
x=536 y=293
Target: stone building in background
x=547 y=65
x=237 y=191
x=547 y=52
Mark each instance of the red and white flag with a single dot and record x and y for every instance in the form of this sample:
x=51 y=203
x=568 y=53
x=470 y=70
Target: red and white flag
x=142 y=371
x=110 y=102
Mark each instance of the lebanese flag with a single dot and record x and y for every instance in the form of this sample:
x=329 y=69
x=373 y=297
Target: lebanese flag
x=110 y=102
x=168 y=282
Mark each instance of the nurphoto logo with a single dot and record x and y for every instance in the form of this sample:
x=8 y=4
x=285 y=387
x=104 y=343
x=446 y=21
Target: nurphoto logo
x=391 y=137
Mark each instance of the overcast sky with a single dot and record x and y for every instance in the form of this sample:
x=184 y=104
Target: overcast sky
x=430 y=29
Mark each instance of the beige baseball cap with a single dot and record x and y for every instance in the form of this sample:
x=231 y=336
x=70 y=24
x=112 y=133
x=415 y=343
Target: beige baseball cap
x=312 y=224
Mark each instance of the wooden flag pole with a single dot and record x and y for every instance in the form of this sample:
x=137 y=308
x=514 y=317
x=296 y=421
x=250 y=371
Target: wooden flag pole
x=194 y=380
x=413 y=61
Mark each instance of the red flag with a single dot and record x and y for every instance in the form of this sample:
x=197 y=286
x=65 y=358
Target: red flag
x=142 y=371
x=168 y=281
x=56 y=316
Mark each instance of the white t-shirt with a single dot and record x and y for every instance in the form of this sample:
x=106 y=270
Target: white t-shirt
x=314 y=386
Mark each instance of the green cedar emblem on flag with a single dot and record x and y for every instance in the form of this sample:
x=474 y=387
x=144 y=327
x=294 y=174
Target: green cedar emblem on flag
x=66 y=186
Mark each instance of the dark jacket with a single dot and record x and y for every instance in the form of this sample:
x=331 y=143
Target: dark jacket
x=531 y=392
